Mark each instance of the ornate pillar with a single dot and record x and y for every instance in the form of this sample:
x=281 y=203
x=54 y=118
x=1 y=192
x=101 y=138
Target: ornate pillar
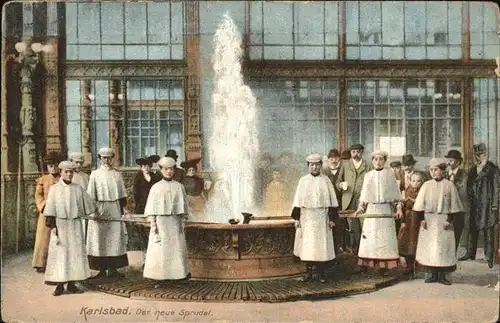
x=29 y=62
x=192 y=51
x=116 y=104
x=85 y=88
x=52 y=96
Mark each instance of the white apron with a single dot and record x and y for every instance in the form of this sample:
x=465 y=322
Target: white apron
x=107 y=238
x=314 y=238
x=378 y=237
x=67 y=260
x=436 y=246
x=166 y=258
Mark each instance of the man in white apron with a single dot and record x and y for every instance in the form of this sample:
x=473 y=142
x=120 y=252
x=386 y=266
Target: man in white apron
x=379 y=247
x=315 y=208
x=79 y=177
x=107 y=240
x=437 y=203
x=167 y=209
x=67 y=259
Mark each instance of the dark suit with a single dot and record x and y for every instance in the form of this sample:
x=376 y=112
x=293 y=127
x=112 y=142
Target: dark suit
x=483 y=191
x=340 y=223
x=461 y=221
x=350 y=197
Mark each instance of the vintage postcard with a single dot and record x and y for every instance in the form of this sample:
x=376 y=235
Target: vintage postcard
x=250 y=161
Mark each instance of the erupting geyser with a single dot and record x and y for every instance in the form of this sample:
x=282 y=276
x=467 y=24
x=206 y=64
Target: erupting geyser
x=233 y=145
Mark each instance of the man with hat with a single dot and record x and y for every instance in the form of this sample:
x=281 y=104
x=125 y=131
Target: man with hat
x=154 y=167
x=167 y=209
x=332 y=171
x=350 y=182
x=107 y=240
x=458 y=177
x=79 y=177
x=483 y=190
x=436 y=205
x=144 y=179
x=315 y=209
x=67 y=259
x=398 y=172
x=179 y=173
x=43 y=185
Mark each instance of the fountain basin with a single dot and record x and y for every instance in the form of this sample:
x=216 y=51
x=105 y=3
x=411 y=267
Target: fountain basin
x=261 y=249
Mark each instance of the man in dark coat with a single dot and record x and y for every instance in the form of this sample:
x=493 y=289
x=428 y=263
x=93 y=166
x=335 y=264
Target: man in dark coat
x=350 y=182
x=458 y=177
x=483 y=190
x=179 y=173
x=333 y=171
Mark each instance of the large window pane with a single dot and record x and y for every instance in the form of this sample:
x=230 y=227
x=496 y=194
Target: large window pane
x=293 y=30
x=296 y=116
x=484 y=20
x=486 y=116
x=408 y=116
x=129 y=30
x=112 y=24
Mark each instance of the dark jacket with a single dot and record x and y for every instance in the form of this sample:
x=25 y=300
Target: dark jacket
x=483 y=191
x=333 y=179
x=141 y=190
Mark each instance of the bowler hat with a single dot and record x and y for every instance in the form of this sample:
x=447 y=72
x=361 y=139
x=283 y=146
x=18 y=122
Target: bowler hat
x=357 y=147
x=143 y=161
x=334 y=153
x=408 y=160
x=190 y=163
x=154 y=158
x=172 y=154
x=454 y=154
x=479 y=148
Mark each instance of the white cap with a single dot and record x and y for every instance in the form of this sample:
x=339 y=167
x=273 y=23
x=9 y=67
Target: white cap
x=66 y=165
x=75 y=156
x=166 y=162
x=380 y=153
x=106 y=152
x=314 y=158
x=437 y=162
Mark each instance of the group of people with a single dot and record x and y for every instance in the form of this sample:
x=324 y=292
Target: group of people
x=431 y=209
x=80 y=225
x=81 y=218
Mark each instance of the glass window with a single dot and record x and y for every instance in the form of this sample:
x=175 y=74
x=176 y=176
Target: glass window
x=154 y=119
x=485 y=43
x=486 y=115
x=421 y=117
x=397 y=30
x=293 y=30
x=297 y=116
x=130 y=30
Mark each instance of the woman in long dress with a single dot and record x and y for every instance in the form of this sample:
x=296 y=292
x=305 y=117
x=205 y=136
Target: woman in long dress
x=378 y=247
x=144 y=179
x=195 y=190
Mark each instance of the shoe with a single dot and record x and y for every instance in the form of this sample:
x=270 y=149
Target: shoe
x=322 y=278
x=72 y=289
x=467 y=257
x=101 y=274
x=59 y=290
x=115 y=273
x=444 y=281
x=40 y=270
x=432 y=279
x=490 y=263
